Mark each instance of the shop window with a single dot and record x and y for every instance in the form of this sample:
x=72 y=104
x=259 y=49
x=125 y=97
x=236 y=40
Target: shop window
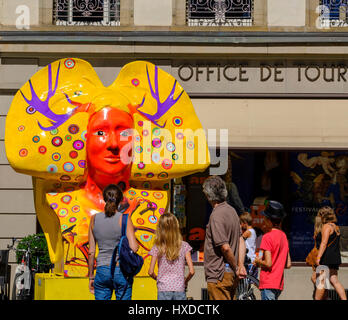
x=87 y=12
x=220 y=12
x=303 y=181
x=333 y=13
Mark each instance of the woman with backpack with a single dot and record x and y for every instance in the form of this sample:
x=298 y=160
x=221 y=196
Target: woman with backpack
x=171 y=253
x=105 y=230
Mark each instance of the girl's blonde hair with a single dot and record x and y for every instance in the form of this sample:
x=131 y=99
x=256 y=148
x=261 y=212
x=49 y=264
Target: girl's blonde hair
x=168 y=236
x=317 y=225
x=327 y=215
x=246 y=218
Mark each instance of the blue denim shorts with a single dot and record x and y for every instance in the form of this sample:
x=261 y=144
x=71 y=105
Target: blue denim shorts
x=270 y=294
x=171 y=295
x=104 y=284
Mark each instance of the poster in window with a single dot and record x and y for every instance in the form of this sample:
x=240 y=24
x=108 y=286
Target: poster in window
x=317 y=179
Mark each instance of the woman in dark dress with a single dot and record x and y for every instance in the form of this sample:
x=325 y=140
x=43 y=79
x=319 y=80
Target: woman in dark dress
x=329 y=249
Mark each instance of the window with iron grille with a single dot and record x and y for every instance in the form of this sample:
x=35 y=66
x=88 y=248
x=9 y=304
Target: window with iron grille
x=87 y=12
x=219 y=12
x=333 y=13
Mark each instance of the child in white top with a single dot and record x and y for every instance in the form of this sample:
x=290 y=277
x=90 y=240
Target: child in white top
x=249 y=236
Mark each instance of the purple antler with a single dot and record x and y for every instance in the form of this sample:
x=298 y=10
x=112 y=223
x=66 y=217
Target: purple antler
x=43 y=106
x=162 y=107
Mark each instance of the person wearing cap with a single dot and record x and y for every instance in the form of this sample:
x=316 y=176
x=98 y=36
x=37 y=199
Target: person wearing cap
x=276 y=256
x=224 y=246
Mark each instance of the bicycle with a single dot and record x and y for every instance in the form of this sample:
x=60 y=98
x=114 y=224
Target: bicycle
x=23 y=284
x=248 y=288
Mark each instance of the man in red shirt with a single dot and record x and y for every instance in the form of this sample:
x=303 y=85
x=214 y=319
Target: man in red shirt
x=276 y=257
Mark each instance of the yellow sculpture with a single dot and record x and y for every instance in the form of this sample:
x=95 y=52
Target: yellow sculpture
x=75 y=136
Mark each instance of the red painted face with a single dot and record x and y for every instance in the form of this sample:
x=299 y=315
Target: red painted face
x=109 y=142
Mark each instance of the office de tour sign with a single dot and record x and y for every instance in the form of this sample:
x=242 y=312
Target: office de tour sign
x=263 y=78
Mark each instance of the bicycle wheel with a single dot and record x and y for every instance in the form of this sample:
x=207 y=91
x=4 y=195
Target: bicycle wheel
x=29 y=293
x=254 y=287
x=242 y=290
x=248 y=289
x=18 y=287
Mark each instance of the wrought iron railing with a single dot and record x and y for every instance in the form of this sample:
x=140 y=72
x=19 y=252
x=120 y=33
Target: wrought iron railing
x=219 y=12
x=333 y=13
x=87 y=12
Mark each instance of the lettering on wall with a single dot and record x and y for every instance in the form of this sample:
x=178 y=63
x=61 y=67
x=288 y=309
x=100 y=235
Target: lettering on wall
x=258 y=77
x=310 y=73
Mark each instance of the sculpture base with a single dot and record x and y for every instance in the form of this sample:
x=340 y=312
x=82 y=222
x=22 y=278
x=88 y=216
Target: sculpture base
x=49 y=286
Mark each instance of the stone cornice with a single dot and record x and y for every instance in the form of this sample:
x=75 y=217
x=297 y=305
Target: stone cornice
x=182 y=37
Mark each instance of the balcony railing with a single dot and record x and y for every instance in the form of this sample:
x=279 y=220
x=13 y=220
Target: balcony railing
x=333 y=13
x=220 y=12
x=87 y=12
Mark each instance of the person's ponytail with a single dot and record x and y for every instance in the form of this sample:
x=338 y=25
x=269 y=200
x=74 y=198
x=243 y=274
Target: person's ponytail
x=112 y=196
x=110 y=208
